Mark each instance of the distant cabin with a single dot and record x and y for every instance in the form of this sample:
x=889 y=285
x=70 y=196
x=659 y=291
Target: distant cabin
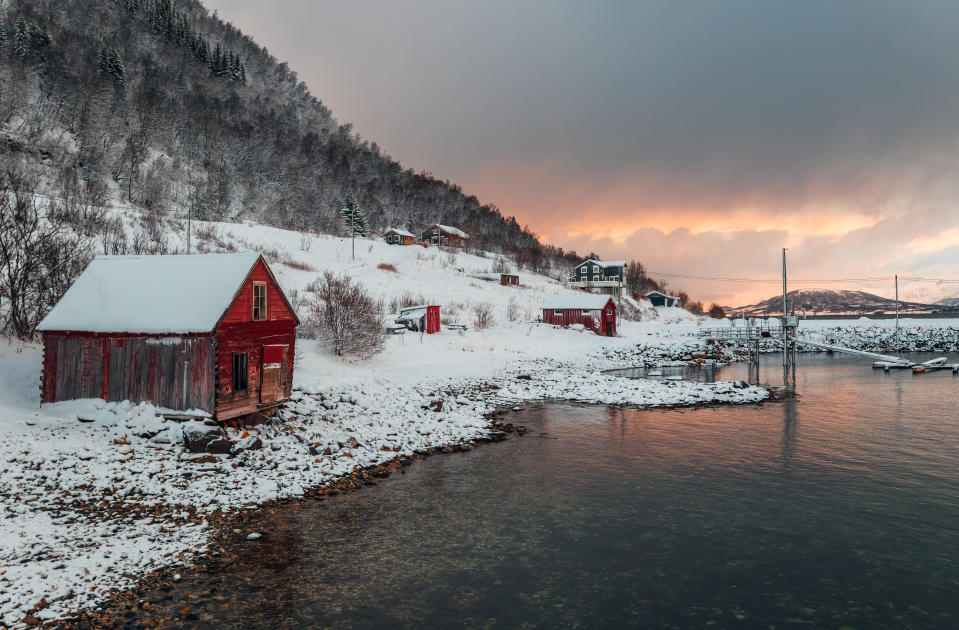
x=595 y=312
x=424 y=318
x=395 y=236
x=597 y=276
x=445 y=235
x=209 y=332
x=658 y=298
x=506 y=279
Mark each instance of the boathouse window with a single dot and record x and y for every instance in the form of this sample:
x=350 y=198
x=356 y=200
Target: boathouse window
x=558 y=312
x=609 y=311
x=585 y=312
x=259 y=301
x=241 y=367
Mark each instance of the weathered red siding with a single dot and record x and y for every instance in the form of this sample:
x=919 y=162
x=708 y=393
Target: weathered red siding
x=238 y=333
x=572 y=316
x=129 y=367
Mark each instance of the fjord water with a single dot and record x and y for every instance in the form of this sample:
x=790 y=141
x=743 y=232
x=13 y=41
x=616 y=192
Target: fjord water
x=839 y=508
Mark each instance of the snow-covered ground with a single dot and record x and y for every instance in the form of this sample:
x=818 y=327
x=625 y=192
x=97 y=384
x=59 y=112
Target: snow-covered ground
x=88 y=506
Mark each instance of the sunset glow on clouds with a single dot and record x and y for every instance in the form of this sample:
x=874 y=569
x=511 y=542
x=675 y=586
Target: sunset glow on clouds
x=697 y=137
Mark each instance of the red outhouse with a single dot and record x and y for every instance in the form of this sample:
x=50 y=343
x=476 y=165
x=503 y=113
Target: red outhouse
x=423 y=318
x=595 y=312
x=211 y=332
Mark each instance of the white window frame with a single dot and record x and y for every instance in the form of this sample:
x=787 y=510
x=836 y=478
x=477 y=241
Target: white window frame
x=586 y=311
x=557 y=311
x=609 y=311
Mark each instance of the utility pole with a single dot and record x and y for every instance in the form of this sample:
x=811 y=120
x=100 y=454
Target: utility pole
x=897 y=312
x=784 y=333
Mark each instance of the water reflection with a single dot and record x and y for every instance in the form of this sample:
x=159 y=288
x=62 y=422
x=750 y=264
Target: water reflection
x=837 y=508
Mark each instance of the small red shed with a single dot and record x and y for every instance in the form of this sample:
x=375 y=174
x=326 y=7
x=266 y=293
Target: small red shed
x=423 y=318
x=210 y=332
x=595 y=312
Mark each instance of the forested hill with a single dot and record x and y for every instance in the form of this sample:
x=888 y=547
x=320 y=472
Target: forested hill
x=163 y=104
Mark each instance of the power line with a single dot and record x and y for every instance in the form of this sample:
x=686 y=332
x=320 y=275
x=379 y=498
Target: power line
x=684 y=276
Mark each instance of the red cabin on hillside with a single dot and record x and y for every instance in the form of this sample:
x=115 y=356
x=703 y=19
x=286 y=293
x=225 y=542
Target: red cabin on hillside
x=209 y=332
x=595 y=312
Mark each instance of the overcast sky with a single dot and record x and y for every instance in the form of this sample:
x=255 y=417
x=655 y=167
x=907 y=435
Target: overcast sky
x=698 y=137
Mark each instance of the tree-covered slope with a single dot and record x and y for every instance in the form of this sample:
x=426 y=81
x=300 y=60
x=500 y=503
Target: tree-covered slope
x=161 y=104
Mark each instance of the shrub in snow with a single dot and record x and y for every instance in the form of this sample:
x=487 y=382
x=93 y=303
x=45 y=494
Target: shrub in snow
x=306 y=242
x=405 y=300
x=716 y=311
x=483 y=315
x=512 y=310
x=345 y=317
x=501 y=266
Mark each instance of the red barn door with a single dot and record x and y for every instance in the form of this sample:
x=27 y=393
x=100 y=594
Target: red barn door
x=273 y=382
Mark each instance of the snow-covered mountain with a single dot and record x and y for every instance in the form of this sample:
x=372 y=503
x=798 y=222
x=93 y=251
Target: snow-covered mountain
x=952 y=302
x=162 y=105
x=828 y=301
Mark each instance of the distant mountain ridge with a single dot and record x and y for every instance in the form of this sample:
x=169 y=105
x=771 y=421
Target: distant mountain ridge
x=828 y=301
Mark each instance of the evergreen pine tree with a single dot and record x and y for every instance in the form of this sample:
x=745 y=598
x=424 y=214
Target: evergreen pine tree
x=353 y=216
x=216 y=63
x=20 y=39
x=115 y=67
x=3 y=30
x=102 y=61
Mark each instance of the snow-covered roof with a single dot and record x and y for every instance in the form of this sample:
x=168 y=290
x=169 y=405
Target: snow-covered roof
x=578 y=299
x=416 y=308
x=451 y=230
x=608 y=263
x=151 y=294
x=399 y=231
x=487 y=276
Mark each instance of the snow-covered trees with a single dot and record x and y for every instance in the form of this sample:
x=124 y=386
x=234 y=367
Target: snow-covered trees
x=40 y=256
x=128 y=82
x=344 y=316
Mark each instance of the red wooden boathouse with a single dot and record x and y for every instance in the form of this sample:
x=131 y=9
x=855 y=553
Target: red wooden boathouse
x=209 y=332
x=595 y=312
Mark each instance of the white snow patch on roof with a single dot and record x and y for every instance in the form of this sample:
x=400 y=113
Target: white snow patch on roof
x=151 y=294
x=579 y=299
x=399 y=232
x=606 y=264
x=452 y=230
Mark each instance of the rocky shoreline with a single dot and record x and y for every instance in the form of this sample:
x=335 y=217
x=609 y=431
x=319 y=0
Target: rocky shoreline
x=231 y=532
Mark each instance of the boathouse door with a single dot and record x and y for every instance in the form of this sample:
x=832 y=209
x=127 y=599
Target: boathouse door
x=609 y=329
x=273 y=382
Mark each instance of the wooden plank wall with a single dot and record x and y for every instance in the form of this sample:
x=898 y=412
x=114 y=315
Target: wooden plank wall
x=173 y=373
x=131 y=368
